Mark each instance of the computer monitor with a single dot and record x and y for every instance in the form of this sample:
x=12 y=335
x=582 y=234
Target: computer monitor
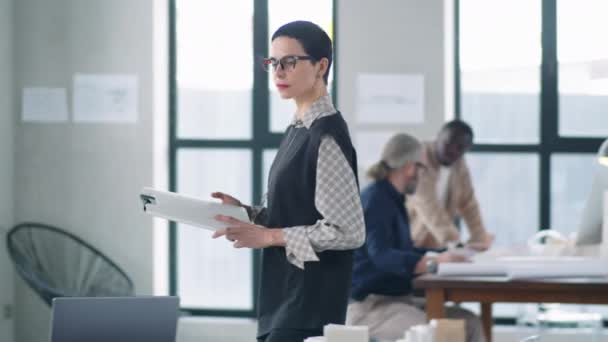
x=590 y=229
x=119 y=319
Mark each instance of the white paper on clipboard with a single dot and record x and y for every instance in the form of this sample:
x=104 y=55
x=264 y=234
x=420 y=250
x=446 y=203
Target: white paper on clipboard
x=188 y=210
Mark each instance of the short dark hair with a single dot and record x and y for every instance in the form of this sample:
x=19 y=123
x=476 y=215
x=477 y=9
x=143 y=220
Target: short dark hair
x=314 y=40
x=460 y=127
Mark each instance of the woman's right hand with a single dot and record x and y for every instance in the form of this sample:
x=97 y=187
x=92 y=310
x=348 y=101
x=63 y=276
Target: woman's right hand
x=226 y=199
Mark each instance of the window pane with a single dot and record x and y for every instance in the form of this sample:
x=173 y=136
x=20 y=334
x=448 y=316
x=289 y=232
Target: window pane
x=211 y=273
x=503 y=310
x=268 y=158
x=500 y=75
x=281 y=12
x=583 y=67
x=507 y=188
x=571 y=177
x=599 y=309
x=528 y=313
x=214 y=71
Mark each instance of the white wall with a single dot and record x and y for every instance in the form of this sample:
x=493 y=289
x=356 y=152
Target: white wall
x=6 y=161
x=394 y=36
x=85 y=177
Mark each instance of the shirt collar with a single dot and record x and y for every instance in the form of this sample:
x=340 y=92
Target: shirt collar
x=393 y=193
x=323 y=106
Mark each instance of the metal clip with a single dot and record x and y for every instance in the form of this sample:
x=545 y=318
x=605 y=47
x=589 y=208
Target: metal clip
x=146 y=200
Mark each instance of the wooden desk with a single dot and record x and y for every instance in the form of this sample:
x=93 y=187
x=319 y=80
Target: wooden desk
x=489 y=290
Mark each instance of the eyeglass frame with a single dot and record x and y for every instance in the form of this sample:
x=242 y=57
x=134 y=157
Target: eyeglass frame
x=276 y=62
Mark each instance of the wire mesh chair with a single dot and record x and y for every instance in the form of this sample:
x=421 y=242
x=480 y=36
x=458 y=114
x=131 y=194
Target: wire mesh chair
x=55 y=263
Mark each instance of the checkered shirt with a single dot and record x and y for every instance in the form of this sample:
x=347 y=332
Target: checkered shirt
x=336 y=198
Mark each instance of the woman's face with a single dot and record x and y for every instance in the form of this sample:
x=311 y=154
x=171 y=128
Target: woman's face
x=294 y=80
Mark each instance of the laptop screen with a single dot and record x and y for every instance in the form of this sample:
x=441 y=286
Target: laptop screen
x=119 y=319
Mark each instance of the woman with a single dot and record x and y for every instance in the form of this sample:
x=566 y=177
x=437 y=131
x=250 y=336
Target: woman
x=313 y=219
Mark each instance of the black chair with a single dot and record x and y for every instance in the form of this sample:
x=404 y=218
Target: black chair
x=55 y=263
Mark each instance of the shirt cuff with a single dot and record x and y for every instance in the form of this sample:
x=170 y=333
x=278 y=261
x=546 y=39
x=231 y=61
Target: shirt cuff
x=298 y=248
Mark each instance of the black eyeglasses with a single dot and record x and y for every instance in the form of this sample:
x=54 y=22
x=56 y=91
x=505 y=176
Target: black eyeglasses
x=287 y=63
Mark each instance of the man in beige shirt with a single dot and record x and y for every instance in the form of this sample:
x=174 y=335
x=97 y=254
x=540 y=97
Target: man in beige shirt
x=445 y=192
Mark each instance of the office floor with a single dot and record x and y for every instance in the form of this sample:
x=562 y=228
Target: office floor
x=195 y=329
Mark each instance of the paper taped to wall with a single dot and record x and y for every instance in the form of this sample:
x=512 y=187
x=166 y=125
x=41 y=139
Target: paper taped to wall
x=390 y=98
x=105 y=98
x=44 y=105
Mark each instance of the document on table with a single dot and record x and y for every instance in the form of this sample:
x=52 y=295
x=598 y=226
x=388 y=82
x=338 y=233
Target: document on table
x=189 y=210
x=572 y=269
x=472 y=269
x=529 y=267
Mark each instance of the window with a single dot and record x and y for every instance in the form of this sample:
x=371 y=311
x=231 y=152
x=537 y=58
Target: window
x=570 y=187
x=532 y=80
x=510 y=205
x=214 y=71
x=499 y=65
x=226 y=122
x=583 y=68
x=212 y=273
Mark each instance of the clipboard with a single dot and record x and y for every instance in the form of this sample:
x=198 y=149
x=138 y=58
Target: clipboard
x=188 y=210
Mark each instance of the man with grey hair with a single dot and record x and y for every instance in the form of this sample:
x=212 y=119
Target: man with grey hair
x=384 y=267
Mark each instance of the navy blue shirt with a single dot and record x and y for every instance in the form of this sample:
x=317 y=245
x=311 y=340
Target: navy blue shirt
x=385 y=264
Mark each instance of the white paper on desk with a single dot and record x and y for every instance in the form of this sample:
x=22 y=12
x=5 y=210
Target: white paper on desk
x=105 y=98
x=540 y=259
x=390 y=98
x=189 y=210
x=525 y=266
x=44 y=105
x=572 y=269
x=472 y=269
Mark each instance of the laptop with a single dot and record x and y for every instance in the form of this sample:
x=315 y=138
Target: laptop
x=117 y=319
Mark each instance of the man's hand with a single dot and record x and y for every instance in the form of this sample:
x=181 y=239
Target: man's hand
x=451 y=257
x=482 y=245
x=248 y=235
x=421 y=267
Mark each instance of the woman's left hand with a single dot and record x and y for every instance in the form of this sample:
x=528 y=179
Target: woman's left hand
x=245 y=234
